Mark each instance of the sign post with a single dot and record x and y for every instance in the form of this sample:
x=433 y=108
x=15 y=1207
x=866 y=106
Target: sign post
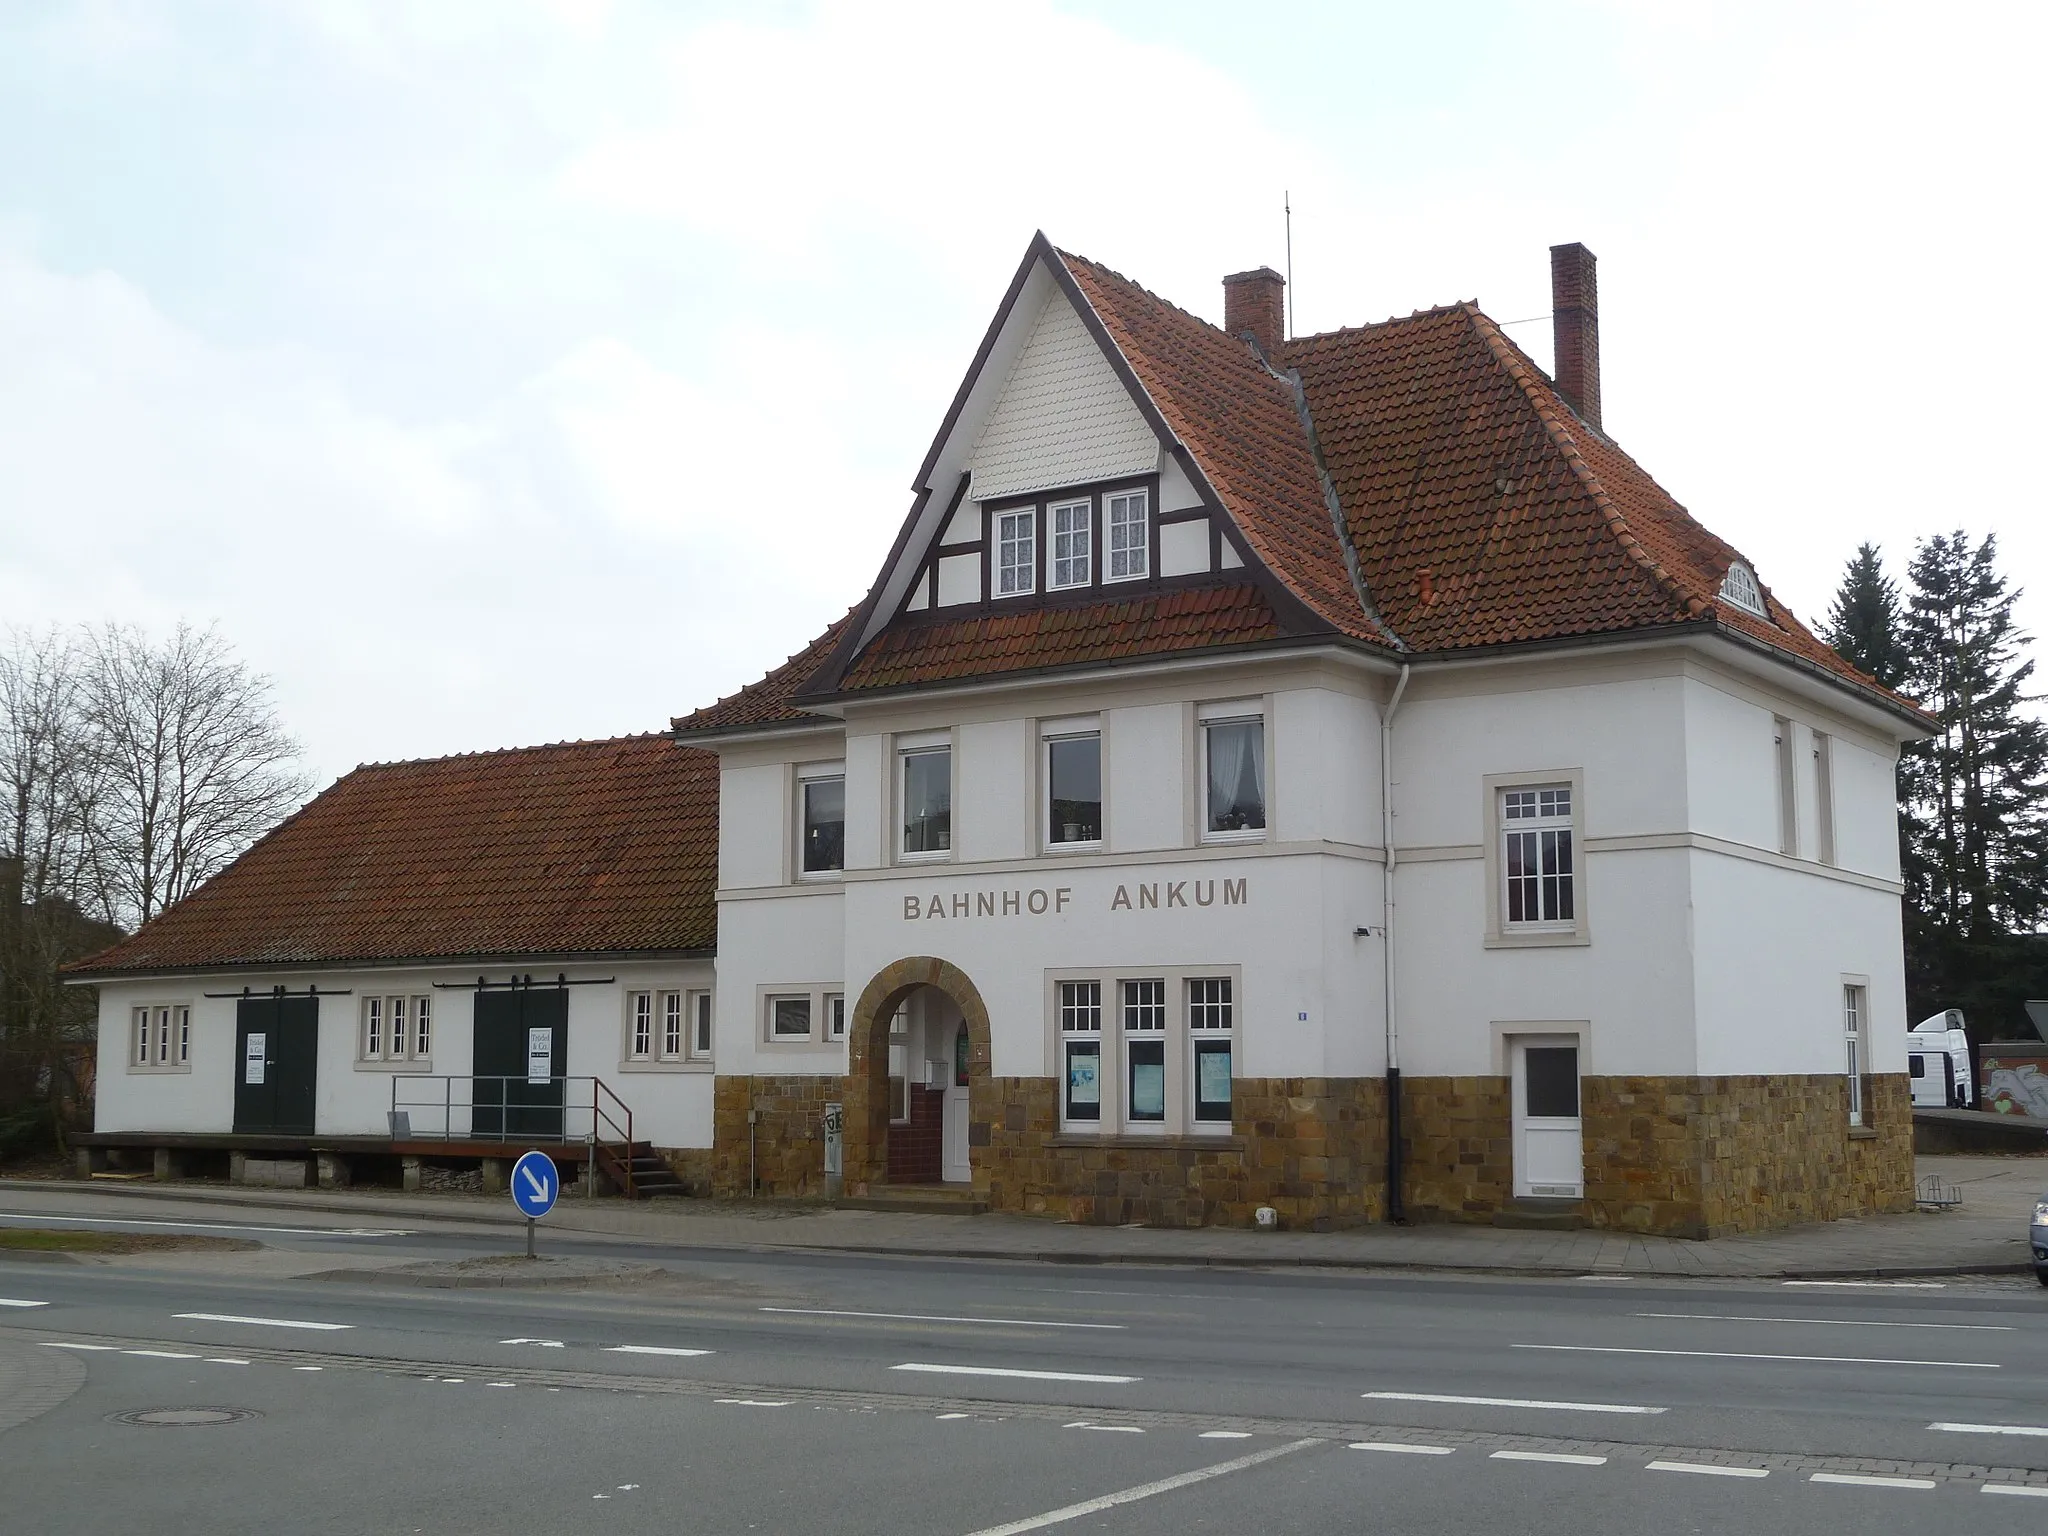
x=536 y=1183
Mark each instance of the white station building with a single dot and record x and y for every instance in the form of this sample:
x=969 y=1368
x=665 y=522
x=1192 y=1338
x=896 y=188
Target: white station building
x=1322 y=773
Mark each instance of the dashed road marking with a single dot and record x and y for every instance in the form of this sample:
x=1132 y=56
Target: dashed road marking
x=161 y=1354
x=263 y=1322
x=1734 y=1354
x=67 y=1344
x=1566 y=1458
x=1869 y=1285
x=1226 y=1434
x=204 y=1226
x=653 y=1349
x=1395 y=1447
x=224 y=1360
x=1107 y=1429
x=1992 y=1429
x=2025 y=1490
x=1825 y=1322
x=920 y=1317
x=1867 y=1480
x=1020 y=1375
x=1507 y=1402
x=1707 y=1468
x=9 y=1301
x=750 y=1402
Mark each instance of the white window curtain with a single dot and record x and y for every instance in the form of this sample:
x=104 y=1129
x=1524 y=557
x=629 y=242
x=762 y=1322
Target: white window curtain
x=1237 y=776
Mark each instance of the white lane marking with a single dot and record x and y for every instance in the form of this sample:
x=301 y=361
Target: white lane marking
x=997 y=1370
x=2034 y=1492
x=1226 y=1434
x=1107 y=1429
x=537 y=1343
x=1869 y=1285
x=263 y=1322
x=1142 y=1491
x=1396 y=1448
x=651 y=1349
x=160 y=1354
x=919 y=1317
x=1828 y=1322
x=67 y=1344
x=945 y=1416
x=501 y=1383
x=1505 y=1402
x=1708 y=1468
x=224 y=1360
x=206 y=1226
x=749 y=1402
x=1607 y=1277
x=1563 y=1458
x=1734 y=1354
x=9 y=1301
x=1992 y=1429
x=1861 y=1480
x=309 y=1367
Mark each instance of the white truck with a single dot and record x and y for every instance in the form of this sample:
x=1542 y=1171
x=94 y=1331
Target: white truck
x=1938 y=1062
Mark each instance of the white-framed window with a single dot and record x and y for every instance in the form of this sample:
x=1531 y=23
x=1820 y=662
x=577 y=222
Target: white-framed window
x=1073 y=788
x=671 y=1026
x=926 y=778
x=1824 y=796
x=1537 y=858
x=1741 y=588
x=396 y=1029
x=640 y=1026
x=700 y=1026
x=1211 y=1012
x=835 y=1015
x=1854 y=1009
x=1073 y=544
x=160 y=1037
x=1234 y=778
x=1016 y=551
x=663 y=1025
x=821 y=809
x=789 y=1018
x=1144 y=1020
x=1788 y=785
x=1130 y=540
x=1080 y=1048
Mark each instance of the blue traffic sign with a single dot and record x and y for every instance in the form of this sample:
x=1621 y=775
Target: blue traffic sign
x=535 y=1184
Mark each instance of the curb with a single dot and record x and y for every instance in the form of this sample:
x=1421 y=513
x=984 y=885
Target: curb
x=1248 y=1261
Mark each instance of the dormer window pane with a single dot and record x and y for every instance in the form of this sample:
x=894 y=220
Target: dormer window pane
x=1016 y=552
x=1073 y=543
x=1130 y=544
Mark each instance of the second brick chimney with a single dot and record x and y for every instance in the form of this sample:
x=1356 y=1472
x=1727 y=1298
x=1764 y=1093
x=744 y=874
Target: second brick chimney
x=1575 y=326
x=1256 y=301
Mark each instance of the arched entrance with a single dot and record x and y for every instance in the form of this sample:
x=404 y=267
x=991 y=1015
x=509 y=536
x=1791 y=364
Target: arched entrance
x=865 y=1151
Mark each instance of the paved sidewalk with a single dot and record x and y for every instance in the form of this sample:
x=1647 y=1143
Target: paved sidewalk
x=1987 y=1235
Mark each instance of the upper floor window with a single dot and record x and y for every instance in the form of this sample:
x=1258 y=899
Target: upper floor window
x=1073 y=543
x=1536 y=856
x=1235 y=770
x=1740 y=587
x=927 y=780
x=1130 y=543
x=1016 y=552
x=824 y=829
x=1073 y=775
x=160 y=1037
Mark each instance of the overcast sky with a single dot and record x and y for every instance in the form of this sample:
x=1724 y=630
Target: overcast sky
x=501 y=373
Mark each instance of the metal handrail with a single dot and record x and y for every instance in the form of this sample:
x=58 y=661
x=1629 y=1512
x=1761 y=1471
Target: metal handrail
x=596 y=1112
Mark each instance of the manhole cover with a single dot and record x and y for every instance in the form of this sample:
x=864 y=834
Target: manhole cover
x=182 y=1418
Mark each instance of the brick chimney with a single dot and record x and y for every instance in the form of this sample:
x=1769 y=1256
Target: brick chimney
x=1256 y=301
x=1575 y=324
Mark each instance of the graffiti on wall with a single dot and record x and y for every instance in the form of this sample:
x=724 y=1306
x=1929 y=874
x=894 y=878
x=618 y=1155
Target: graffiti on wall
x=2016 y=1084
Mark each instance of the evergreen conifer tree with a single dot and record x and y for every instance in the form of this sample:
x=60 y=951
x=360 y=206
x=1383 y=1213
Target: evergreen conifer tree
x=1864 y=621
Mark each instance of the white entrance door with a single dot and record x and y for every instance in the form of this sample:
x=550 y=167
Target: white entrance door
x=1550 y=1158
x=953 y=1122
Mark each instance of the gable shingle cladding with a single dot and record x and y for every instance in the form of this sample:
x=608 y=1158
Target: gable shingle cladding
x=583 y=847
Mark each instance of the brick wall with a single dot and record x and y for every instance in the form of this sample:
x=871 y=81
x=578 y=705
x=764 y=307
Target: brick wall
x=917 y=1150
x=1457 y=1153
x=788 y=1138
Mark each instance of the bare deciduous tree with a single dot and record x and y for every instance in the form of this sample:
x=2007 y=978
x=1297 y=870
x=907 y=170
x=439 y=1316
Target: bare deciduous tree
x=188 y=760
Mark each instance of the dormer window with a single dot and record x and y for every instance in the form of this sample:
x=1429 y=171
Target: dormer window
x=1016 y=552
x=1073 y=543
x=1130 y=544
x=1740 y=587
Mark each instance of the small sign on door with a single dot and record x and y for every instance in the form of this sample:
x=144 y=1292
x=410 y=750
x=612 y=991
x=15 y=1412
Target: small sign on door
x=252 y=1060
x=540 y=1055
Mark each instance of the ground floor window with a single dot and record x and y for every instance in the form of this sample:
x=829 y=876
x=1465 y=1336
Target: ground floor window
x=1854 y=1008
x=160 y=1037
x=1161 y=1064
x=396 y=1029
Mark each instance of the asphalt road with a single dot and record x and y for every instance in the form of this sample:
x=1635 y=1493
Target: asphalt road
x=775 y=1392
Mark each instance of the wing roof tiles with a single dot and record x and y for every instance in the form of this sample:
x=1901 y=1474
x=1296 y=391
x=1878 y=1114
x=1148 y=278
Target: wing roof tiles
x=589 y=847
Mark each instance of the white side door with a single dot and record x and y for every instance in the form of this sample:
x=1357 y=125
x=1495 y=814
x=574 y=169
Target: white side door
x=954 y=1167
x=1550 y=1156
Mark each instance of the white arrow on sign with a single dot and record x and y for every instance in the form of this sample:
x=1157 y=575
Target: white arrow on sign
x=540 y=1188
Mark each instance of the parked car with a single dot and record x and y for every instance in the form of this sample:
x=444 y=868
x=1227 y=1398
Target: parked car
x=2039 y=1234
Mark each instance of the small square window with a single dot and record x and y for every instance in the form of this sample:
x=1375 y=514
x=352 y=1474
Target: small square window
x=789 y=1018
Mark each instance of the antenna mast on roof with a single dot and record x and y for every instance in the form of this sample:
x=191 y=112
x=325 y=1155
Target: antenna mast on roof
x=1287 y=209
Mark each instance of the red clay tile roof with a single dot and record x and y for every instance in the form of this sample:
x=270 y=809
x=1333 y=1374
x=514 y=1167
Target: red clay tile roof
x=579 y=848
x=767 y=702
x=1028 y=639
